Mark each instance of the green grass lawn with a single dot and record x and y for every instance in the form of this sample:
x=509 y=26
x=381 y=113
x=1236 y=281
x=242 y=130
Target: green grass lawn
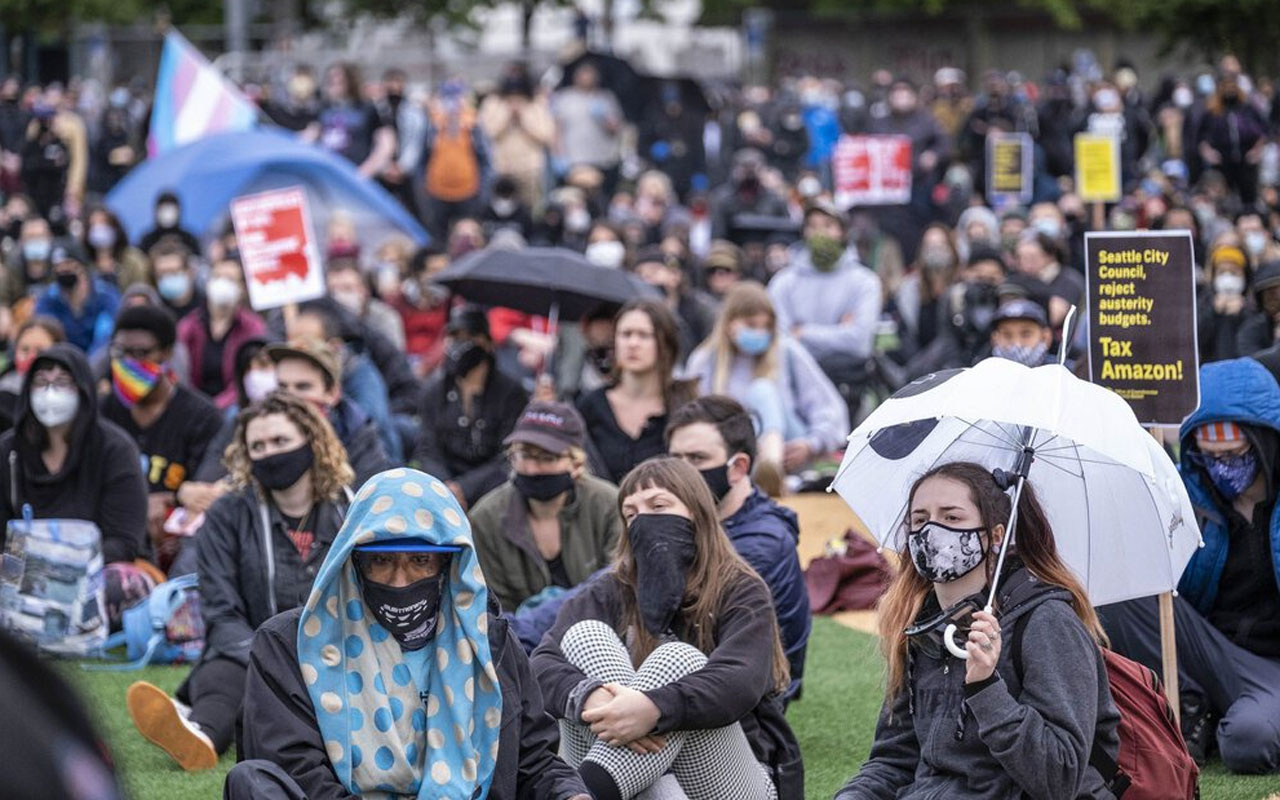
x=834 y=722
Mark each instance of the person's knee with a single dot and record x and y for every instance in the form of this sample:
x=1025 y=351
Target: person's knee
x=1249 y=742
x=677 y=659
x=245 y=779
x=588 y=633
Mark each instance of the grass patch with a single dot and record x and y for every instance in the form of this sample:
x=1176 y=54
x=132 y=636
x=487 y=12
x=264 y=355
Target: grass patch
x=834 y=721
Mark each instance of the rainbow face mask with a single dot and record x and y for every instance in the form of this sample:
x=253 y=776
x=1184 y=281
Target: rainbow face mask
x=134 y=379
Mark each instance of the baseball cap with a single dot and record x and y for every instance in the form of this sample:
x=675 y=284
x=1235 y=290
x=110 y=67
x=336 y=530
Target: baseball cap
x=66 y=250
x=723 y=254
x=468 y=319
x=318 y=353
x=821 y=205
x=1021 y=308
x=555 y=427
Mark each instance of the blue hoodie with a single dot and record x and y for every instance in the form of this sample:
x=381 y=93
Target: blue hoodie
x=1243 y=391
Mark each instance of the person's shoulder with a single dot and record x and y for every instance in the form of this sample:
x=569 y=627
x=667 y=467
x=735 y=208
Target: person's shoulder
x=490 y=508
x=280 y=630
x=594 y=487
x=234 y=505
x=593 y=402
x=116 y=438
x=190 y=401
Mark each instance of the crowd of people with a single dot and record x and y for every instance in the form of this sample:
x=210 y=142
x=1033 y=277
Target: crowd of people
x=452 y=544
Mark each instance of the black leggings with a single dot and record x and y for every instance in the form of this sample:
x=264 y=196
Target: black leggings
x=215 y=690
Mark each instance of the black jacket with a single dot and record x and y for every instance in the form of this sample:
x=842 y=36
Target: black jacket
x=100 y=481
x=279 y=721
x=359 y=436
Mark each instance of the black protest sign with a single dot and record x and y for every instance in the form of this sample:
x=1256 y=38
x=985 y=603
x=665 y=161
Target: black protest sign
x=1142 y=321
x=1009 y=172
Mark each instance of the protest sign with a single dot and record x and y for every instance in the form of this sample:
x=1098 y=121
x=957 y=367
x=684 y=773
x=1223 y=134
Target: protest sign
x=1009 y=167
x=1097 y=168
x=872 y=171
x=1142 y=321
x=277 y=247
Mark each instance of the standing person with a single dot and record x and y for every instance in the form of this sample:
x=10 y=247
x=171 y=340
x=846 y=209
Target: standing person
x=986 y=727
x=715 y=436
x=168 y=216
x=626 y=418
x=349 y=126
x=589 y=125
x=930 y=149
x=84 y=304
x=1231 y=137
x=671 y=662
x=432 y=683
x=455 y=160
x=257 y=553
x=46 y=160
x=1223 y=306
x=214 y=332
x=552 y=524
x=519 y=125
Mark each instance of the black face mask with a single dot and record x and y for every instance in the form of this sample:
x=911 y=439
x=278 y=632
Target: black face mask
x=717 y=479
x=601 y=358
x=67 y=280
x=409 y=613
x=664 y=550
x=543 y=487
x=282 y=470
x=462 y=357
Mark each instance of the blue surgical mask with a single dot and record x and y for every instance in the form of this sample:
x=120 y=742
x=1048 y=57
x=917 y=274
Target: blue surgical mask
x=174 y=287
x=101 y=237
x=1232 y=475
x=36 y=249
x=753 y=341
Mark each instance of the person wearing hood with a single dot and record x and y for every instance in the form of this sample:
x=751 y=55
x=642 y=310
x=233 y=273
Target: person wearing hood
x=989 y=726
x=33 y=337
x=1227 y=608
x=666 y=672
x=715 y=436
x=214 y=332
x=66 y=462
x=396 y=676
x=85 y=304
x=1261 y=326
x=168 y=224
x=257 y=554
x=552 y=524
x=977 y=226
x=1222 y=307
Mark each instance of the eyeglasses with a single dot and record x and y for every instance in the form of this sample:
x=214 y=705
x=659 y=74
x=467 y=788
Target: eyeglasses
x=56 y=380
x=135 y=353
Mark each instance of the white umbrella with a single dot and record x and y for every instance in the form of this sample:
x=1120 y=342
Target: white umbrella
x=1121 y=517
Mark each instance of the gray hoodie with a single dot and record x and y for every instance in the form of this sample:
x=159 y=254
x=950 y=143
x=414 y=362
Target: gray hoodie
x=837 y=310
x=1009 y=739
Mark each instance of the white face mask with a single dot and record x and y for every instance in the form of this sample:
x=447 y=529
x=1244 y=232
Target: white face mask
x=1255 y=242
x=351 y=301
x=577 y=220
x=54 y=406
x=1050 y=226
x=1183 y=97
x=258 y=383
x=1228 y=283
x=606 y=254
x=809 y=186
x=167 y=215
x=223 y=292
x=504 y=206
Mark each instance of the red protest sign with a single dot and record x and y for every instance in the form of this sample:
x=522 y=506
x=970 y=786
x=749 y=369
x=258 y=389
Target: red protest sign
x=281 y=260
x=872 y=171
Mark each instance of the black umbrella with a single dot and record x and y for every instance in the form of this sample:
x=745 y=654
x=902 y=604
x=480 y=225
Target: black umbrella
x=616 y=75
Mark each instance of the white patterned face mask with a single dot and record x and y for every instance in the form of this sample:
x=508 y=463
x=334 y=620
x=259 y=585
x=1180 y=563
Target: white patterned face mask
x=1028 y=356
x=941 y=554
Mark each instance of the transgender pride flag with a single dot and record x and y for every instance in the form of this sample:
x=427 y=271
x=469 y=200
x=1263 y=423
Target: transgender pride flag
x=193 y=99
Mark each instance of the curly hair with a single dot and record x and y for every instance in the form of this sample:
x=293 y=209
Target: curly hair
x=330 y=474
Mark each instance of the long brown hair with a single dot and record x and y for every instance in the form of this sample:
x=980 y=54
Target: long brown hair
x=330 y=474
x=666 y=335
x=1033 y=545
x=717 y=567
x=746 y=299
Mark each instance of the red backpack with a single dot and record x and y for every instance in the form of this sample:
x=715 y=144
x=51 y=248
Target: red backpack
x=1153 y=762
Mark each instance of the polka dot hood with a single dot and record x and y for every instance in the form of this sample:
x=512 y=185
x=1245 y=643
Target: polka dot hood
x=381 y=737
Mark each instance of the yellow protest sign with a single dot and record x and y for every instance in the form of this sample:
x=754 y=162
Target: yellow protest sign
x=1097 y=168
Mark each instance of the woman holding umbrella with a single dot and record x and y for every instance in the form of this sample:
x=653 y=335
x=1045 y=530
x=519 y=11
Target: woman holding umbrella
x=986 y=727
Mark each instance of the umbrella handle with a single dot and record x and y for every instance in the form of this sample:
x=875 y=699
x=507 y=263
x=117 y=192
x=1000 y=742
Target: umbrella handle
x=948 y=639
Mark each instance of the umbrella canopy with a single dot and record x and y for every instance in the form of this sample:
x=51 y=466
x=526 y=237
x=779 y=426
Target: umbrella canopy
x=1121 y=517
x=616 y=75
x=207 y=174
x=536 y=279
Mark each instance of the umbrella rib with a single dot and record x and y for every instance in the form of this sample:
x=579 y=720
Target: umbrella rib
x=1088 y=517
x=1011 y=442
x=1050 y=463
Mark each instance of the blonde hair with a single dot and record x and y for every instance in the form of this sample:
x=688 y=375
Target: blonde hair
x=746 y=299
x=330 y=473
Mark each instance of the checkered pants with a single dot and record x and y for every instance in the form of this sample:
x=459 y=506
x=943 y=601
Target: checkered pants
x=709 y=764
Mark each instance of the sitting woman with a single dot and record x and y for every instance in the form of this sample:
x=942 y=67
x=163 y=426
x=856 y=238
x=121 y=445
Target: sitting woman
x=952 y=728
x=397 y=678
x=666 y=671
x=34 y=336
x=799 y=412
x=257 y=554
x=552 y=524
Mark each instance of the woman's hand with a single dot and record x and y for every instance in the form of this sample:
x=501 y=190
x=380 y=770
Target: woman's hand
x=983 y=647
x=599 y=697
x=629 y=716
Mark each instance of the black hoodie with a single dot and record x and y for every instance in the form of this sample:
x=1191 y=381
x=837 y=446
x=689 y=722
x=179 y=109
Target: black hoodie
x=100 y=480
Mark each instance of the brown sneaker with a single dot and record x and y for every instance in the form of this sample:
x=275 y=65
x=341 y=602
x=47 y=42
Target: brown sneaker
x=159 y=718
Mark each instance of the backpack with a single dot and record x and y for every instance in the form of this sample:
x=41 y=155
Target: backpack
x=1153 y=763
x=164 y=628
x=453 y=168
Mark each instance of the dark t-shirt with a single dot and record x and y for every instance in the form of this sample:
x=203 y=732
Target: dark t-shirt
x=619 y=451
x=301 y=531
x=559 y=576
x=1247 y=608
x=347 y=129
x=210 y=366
x=174 y=444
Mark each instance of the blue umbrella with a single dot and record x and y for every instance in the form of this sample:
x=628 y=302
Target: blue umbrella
x=209 y=173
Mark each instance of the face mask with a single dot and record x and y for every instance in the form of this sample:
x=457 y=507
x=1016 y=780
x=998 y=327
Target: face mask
x=1049 y=226
x=1107 y=100
x=67 y=280
x=824 y=252
x=936 y=259
x=1205 y=84
x=167 y=215
x=809 y=186
x=1228 y=283
x=101 y=237
x=36 y=249
x=53 y=406
x=1032 y=356
x=752 y=341
x=663 y=547
x=282 y=470
x=606 y=254
x=601 y=358
x=717 y=479
x=577 y=220
x=133 y=380
x=1182 y=97
x=409 y=613
x=258 y=383
x=174 y=287
x=462 y=357
x=1255 y=242
x=504 y=206
x=941 y=554
x=542 y=487
x=351 y=301
x=223 y=292
x=1233 y=475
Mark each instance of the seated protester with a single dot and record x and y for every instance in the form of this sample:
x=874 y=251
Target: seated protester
x=173 y=268
x=85 y=305
x=67 y=463
x=722 y=268
x=552 y=524
x=171 y=424
x=1039 y=261
x=423 y=307
x=1227 y=610
x=434 y=697
x=310 y=371
x=290 y=477
x=714 y=435
x=140 y=294
x=33 y=337
x=1222 y=306
x=985 y=727
x=583 y=360
x=468 y=408
x=1020 y=332
x=1259 y=329
x=214 y=332
x=255 y=378
x=347 y=285
x=168 y=225
x=695 y=310
x=751 y=360
x=626 y=418
x=671 y=662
